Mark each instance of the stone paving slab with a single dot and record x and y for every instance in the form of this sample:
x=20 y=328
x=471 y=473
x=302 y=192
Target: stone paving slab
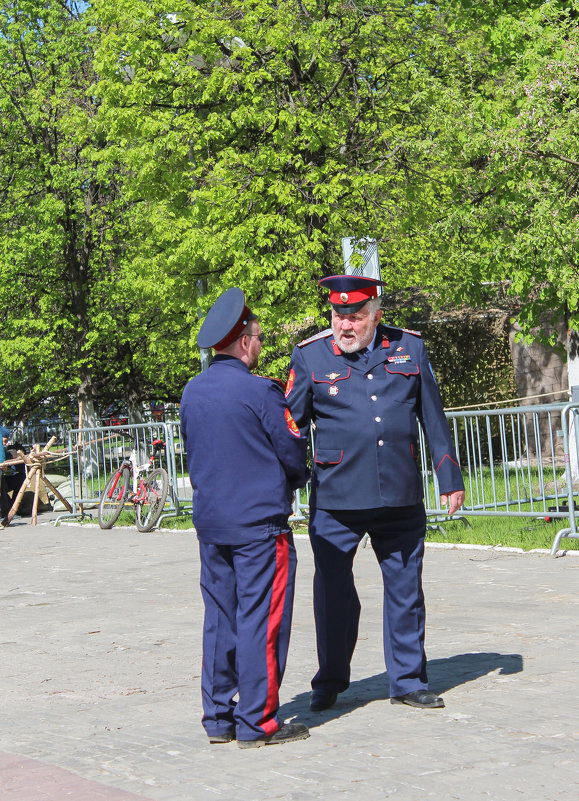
x=100 y=636
x=23 y=779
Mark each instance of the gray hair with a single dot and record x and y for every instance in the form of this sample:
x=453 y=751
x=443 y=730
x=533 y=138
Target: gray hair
x=373 y=305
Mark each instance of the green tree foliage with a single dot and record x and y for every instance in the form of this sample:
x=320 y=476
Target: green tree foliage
x=75 y=323
x=510 y=139
x=54 y=207
x=256 y=135
x=152 y=156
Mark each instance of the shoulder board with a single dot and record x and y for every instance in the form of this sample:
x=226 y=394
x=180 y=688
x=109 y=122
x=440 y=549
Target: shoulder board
x=277 y=381
x=322 y=335
x=405 y=330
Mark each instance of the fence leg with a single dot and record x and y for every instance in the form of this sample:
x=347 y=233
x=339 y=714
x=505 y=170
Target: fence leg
x=565 y=532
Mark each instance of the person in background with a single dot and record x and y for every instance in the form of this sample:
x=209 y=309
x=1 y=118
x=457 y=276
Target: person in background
x=13 y=476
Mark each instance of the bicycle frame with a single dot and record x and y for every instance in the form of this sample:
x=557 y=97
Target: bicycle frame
x=146 y=490
x=138 y=470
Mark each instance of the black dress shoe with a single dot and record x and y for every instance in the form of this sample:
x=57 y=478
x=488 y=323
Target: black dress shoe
x=287 y=733
x=224 y=737
x=322 y=699
x=424 y=699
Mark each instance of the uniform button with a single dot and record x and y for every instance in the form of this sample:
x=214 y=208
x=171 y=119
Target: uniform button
x=378 y=419
x=374 y=397
x=369 y=376
x=380 y=442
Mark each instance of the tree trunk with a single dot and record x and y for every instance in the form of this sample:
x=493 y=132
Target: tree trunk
x=541 y=377
x=88 y=453
x=89 y=415
x=135 y=404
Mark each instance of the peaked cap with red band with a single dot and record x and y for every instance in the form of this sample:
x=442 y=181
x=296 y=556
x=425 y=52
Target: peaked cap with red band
x=348 y=293
x=224 y=321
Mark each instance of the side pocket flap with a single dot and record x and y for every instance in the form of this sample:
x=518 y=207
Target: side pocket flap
x=328 y=457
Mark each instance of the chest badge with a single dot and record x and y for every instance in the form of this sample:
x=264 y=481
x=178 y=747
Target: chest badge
x=332 y=376
x=333 y=390
x=399 y=359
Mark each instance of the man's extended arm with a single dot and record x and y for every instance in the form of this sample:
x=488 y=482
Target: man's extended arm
x=289 y=445
x=298 y=392
x=435 y=425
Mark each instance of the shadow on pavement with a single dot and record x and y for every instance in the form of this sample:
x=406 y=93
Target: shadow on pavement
x=443 y=675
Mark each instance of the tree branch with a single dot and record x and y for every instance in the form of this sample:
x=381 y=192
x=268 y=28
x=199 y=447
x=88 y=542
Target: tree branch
x=546 y=155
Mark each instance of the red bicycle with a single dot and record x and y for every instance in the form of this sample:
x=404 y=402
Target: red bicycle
x=143 y=486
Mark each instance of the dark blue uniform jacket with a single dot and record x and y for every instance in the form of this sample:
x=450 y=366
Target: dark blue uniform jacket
x=244 y=453
x=365 y=416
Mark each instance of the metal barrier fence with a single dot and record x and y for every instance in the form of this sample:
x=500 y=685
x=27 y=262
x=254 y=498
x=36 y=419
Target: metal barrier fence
x=29 y=434
x=40 y=432
x=182 y=484
x=516 y=462
x=95 y=453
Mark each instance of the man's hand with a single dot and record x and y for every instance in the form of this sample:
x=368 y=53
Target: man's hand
x=454 y=499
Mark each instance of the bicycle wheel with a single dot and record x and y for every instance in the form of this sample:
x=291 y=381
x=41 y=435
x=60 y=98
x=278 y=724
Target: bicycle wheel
x=155 y=493
x=112 y=498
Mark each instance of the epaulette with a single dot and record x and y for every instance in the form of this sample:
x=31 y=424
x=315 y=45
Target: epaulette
x=322 y=335
x=405 y=330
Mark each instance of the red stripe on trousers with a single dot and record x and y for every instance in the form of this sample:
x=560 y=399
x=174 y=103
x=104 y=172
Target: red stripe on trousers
x=278 y=592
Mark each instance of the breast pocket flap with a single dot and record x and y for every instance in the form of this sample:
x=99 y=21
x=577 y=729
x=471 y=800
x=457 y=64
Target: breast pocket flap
x=404 y=368
x=331 y=376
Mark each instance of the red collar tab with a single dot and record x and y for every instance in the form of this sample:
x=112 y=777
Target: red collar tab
x=385 y=342
x=337 y=350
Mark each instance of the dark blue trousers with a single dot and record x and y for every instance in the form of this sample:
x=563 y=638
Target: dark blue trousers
x=248 y=594
x=397 y=537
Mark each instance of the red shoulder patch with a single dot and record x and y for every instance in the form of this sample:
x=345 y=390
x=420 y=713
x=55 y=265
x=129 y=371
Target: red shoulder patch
x=292 y=426
x=290 y=382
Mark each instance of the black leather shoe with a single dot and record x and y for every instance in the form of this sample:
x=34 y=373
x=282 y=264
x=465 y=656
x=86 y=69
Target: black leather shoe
x=322 y=699
x=423 y=699
x=287 y=733
x=225 y=737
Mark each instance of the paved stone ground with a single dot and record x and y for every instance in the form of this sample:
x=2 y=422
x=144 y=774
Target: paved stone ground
x=100 y=638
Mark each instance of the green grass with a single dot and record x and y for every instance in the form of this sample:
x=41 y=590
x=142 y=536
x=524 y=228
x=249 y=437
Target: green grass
x=127 y=518
x=510 y=532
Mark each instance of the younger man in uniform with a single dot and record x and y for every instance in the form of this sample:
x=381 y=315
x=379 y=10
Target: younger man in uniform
x=245 y=456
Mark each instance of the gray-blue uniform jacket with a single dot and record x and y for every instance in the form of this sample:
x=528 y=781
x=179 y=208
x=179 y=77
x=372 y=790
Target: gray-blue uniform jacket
x=365 y=415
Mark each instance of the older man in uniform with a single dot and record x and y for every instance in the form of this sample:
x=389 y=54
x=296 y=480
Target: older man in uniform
x=245 y=456
x=364 y=386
